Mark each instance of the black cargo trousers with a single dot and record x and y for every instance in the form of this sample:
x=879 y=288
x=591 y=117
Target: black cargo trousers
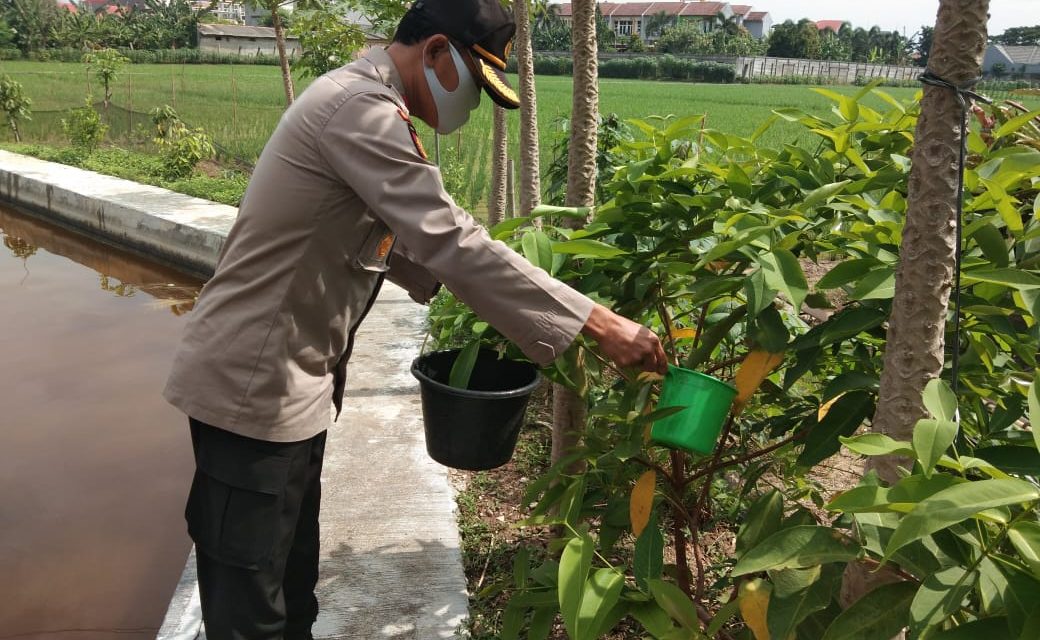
x=253 y=514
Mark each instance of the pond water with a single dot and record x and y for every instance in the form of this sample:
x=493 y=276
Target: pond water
x=94 y=465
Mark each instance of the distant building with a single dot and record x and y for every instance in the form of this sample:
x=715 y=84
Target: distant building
x=1019 y=60
x=244 y=41
x=627 y=18
x=759 y=24
x=834 y=26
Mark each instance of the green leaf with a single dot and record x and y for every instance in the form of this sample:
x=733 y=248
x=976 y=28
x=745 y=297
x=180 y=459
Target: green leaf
x=648 y=557
x=537 y=249
x=797 y=594
x=931 y=440
x=845 y=416
x=506 y=228
x=541 y=623
x=866 y=498
x=1014 y=124
x=827 y=191
x=724 y=615
x=882 y=613
x=955 y=504
x=1034 y=409
x=1025 y=536
x=762 y=520
x=1012 y=459
x=992 y=243
x=846 y=272
x=784 y=274
x=877 y=444
x=848 y=381
x=654 y=618
x=995 y=628
x=842 y=325
x=940 y=596
x=575 y=564
x=512 y=621
x=586 y=247
x=879 y=284
x=940 y=400
x=1016 y=278
x=675 y=603
x=569 y=212
x=600 y=595
x=462 y=369
x=797 y=547
x=759 y=295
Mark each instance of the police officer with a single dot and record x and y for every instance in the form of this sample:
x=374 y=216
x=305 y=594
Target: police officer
x=343 y=197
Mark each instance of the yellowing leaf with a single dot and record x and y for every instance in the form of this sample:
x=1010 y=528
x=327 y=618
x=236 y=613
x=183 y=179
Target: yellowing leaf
x=642 y=501
x=752 y=372
x=753 y=600
x=826 y=407
x=679 y=334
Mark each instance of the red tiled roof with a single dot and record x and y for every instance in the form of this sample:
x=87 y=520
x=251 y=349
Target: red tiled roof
x=635 y=9
x=741 y=9
x=756 y=16
x=833 y=25
x=702 y=8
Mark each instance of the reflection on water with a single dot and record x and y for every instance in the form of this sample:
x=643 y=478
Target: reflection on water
x=94 y=466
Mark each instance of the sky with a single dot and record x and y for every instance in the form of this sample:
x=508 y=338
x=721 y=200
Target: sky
x=894 y=14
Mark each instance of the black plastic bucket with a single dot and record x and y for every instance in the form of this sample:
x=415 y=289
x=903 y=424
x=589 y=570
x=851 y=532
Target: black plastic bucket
x=475 y=428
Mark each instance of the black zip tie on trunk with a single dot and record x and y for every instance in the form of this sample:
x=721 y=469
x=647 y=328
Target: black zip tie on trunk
x=965 y=95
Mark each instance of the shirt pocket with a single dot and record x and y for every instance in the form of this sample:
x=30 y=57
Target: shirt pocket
x=374 y=252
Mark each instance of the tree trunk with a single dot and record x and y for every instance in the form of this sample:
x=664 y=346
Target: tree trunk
x=530 y=172
x=914 y=349
x=283 y=61
x=569 y=409
x=499 y=158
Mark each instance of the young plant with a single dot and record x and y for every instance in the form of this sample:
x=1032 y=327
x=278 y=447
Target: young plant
x=14 y=104
x=84 y=128
x=106 y=64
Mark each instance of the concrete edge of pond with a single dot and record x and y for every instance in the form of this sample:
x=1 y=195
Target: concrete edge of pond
x=176 y=229
x=385 y=573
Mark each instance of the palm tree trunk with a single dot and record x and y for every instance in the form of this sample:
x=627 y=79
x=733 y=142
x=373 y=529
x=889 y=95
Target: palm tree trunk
x=569 y=409
x=530 y=171
x=499 y=158
x=914 y=350
x=283 y=61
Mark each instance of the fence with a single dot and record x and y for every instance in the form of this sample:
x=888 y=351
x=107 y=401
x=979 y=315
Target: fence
x=838 y=72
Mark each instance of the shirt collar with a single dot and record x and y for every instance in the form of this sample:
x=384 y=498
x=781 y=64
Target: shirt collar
x=384 y=66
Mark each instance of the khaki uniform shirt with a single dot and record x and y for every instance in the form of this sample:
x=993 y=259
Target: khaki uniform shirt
x=342 y=196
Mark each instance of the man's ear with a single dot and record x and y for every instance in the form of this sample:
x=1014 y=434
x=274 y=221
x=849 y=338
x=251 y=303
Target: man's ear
x=435 y=46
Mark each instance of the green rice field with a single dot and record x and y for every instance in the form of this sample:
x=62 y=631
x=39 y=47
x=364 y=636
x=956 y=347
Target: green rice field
x=240 y=106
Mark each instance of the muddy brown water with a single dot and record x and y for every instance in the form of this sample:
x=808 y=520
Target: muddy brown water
x=94 y=465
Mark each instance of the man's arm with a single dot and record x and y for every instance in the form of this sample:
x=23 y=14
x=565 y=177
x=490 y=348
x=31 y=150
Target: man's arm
x=368 y=146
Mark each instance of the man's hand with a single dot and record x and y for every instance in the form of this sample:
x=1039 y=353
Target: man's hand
x=626 y=343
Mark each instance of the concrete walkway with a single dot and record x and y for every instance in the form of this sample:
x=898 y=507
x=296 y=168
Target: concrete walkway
x=390 y=562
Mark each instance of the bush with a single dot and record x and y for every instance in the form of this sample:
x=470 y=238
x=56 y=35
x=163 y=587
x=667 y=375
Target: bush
x=146 y=56
x=10 y=54
x=14 y=104
x=84 y=128
x=181 y=148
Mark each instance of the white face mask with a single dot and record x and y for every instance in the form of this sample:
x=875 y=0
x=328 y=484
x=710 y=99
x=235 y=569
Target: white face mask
x=453 y=107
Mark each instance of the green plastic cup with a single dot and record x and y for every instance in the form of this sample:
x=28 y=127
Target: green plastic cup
x=707 y=400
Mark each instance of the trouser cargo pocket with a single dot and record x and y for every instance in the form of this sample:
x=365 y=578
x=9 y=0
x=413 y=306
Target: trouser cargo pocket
x=236 y=498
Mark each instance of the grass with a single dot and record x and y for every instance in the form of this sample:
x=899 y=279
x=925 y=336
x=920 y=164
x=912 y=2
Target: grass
x=239 y=106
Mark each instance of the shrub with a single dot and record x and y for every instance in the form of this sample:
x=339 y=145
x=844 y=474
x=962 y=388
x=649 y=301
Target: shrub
x=181 y=148
x=83 y=127
x=14 y=103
